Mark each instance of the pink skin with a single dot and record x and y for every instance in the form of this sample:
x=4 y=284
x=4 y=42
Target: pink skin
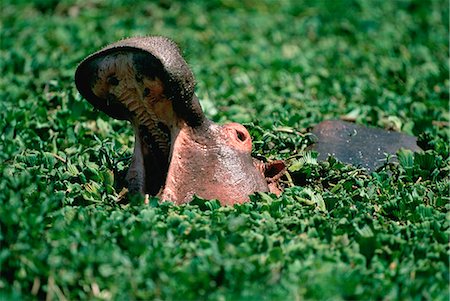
x=215 y=163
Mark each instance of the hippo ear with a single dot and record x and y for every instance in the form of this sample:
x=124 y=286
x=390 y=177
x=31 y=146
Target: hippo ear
x=273 y=171
x=153 y=57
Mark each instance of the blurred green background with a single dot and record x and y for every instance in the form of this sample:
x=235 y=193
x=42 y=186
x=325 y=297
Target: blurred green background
x=279 y=67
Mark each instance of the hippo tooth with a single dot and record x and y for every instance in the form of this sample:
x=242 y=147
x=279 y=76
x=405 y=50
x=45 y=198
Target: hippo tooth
x=126 y=95
x=141 y=115
x=133 y=106
x=148 y=123
x=139 y=110
x=129 y=100
x=145 y=120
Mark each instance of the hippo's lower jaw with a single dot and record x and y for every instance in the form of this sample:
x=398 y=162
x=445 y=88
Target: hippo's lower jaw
x=178 y=152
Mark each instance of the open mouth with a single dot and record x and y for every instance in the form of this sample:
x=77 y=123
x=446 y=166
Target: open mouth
x=131 y=82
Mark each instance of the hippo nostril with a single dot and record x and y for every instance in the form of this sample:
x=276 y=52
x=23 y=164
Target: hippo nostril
x=241 y=135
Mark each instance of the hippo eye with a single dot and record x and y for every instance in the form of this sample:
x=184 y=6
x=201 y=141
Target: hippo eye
x=146 y=92
x=112 y=80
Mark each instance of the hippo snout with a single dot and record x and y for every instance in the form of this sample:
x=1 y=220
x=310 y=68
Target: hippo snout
x=178 y=152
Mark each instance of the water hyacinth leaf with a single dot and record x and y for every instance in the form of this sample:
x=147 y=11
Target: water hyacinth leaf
x=308 y=197
x=406 y=158
x=72 y=169
x=307 y=158
x=281 y=69
x=365 y=231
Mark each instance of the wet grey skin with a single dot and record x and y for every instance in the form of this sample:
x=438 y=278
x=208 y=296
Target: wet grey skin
x=147 y=82
x=359 y=145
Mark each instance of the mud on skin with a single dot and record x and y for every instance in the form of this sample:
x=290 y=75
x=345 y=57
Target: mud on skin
x=178 y=152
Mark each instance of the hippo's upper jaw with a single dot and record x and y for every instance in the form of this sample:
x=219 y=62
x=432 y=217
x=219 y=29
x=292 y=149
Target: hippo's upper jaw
x=178 y=152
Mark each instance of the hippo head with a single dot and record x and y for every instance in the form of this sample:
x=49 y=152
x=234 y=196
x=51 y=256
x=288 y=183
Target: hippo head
x=178 y=152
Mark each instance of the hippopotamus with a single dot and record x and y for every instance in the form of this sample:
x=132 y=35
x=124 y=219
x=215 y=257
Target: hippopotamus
x=178 y=152
x=359 y=145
